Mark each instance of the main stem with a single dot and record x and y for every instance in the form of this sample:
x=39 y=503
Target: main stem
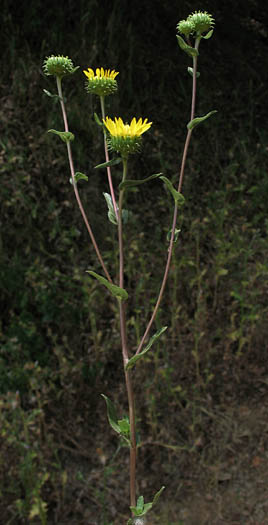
x=123 y=330
x=70 y=157
x=175 y=214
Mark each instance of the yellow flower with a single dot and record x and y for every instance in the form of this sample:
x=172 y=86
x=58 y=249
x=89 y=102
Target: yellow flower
x=102 y=82
x=117 y=128
x=126 y=138
x=101 y=73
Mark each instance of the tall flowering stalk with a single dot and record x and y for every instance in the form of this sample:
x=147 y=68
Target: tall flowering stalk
x=124 y=139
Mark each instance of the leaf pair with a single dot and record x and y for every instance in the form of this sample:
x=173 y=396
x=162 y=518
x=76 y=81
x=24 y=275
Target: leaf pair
x=142 y=508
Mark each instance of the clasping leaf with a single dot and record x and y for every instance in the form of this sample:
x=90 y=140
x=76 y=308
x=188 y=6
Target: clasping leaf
x=193 y=123
x=66 y=136
x=136 y=357
x=191 y=51
x=116 y=291
x=177 y=196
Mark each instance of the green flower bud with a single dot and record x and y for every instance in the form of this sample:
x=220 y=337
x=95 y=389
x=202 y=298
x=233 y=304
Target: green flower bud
x=186 y=27
x=202 y=21
x=59 y=66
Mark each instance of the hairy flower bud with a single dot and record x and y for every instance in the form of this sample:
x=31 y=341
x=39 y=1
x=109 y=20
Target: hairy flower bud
x=185 y=27
x=59 y=66
x=202 y=21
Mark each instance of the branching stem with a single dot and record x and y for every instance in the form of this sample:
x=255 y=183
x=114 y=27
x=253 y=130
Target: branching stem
x=175 y=213
x=69 y=149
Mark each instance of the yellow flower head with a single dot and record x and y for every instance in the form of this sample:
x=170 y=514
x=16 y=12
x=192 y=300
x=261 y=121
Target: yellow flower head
x=126 y=138
x=102 y=82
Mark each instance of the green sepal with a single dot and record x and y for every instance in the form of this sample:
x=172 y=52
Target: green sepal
x=193 y=123
x=78 y=176
x=177 y=196
x=176 y=234
x=208 y=35
x=132 y=183
x=191 y=72
x=98 y=121
x=111 y=162
x=142 y=508
x=191 y=51
x=51 y=95
x=111 y=213
x=132 y=361
x=116 y=291
x=66 y=136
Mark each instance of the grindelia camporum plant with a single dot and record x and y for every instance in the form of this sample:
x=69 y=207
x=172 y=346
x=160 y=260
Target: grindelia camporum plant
x=123 y=139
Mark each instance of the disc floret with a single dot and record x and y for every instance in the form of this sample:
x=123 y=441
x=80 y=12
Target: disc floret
x=101 y=82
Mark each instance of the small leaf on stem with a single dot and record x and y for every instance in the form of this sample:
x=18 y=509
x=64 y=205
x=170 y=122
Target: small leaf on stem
x=177 y=196
x=191 y=72
x=132 y=183
x=193 y=123
x=111 y=213
x=79 y=176
x=132 y=361
x=191 y=51
x=65 y=136
x=208 y=35
x=98 y=121
x=51 y=95
x=111 y=414
x=111 y=162
x=176 y=234
x=116 y=291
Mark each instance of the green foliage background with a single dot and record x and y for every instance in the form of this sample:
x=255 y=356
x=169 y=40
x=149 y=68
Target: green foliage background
x=59 y=338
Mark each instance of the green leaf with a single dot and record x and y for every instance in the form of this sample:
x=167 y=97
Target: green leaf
x=132 y=361
x=98 y=121
x=158 y=494
x=191 y=72
x=111 y=162
x=208 y=35
x=126 y=215
x=79 y=176
x=111 y=213
x=116 y=291
x=124 y=426
x=140 y=503
x=142 y=508
x=66 y=136
x=177 y=196
x=132 y=183
x=50 y=94
x=176 y=235
x=111 y=414
x=198 y=120
x=191 y=51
